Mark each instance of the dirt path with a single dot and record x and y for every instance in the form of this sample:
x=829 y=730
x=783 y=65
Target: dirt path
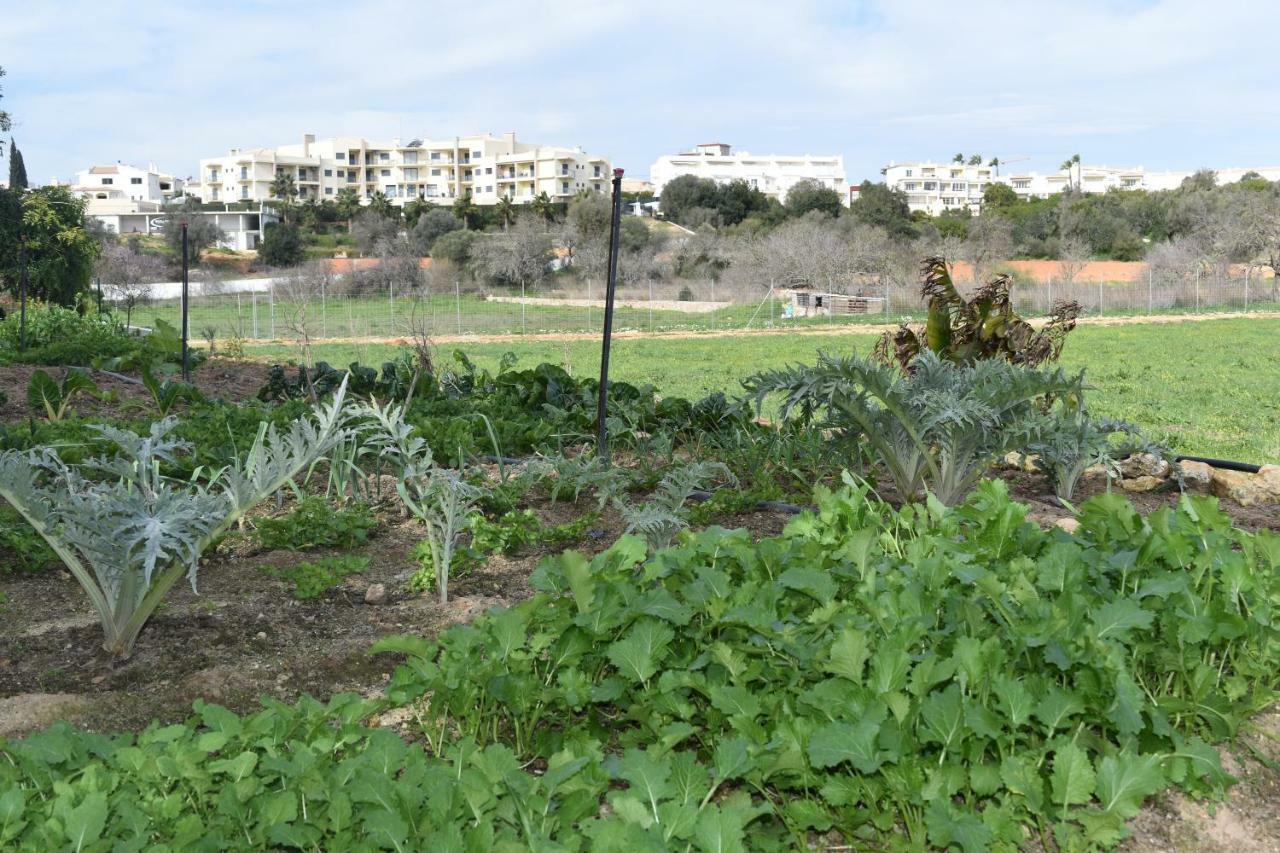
x=851 y=329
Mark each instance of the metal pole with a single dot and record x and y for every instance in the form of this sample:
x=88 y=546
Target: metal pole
x=186 y=362
x=1197 y=291
x=99 y=283
x=524 y=330
x=254 y=304
x=602 y=404
x=1246 y=290
x=324 y=311
x=1150 y=293
x=22 y=322
x=457 y=302
x=271 y=307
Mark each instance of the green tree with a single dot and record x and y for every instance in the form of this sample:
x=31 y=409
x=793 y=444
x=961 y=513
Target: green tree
x=878 y=204
x=975 y=160
x=809 y=195
x=543 y=206
x=506 y=211
x=998 y=197
x=59 y=251
x=282 y=245
x=465 y=211
x=737 y=200
x=1072 y=163
x=414 y=209
x=17 y=169
x=5 y=121
x=348 y=204
x=454 y=247
x=686 y=193
x=381 y=205
x=589 y=214
x=285 y=191
x=959 y=158
x=431 y=226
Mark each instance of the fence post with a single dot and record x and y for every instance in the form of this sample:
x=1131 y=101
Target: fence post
x=457 y=303
x=1099 y=298
x=271 y=306
x=588 y=303
x=524 y=330
x=239 y=317
x=1246 y=290
x=1050 y=309
x=1150 y=293
x=324 y=312
x=1197 y=291
x=651 y=306
x=602 y=402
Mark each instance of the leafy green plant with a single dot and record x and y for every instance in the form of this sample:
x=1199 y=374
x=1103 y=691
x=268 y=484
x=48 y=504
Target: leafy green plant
x=129 y=536
x=1068 y=441
x=440 y=498
x=57 y=335
x=938 y=427
x=573 y=475
x=984 y=326
x=21 y=548
x=44 y=393
x=311 y=579
x=315 y=523
x=932 y=677
x=663 y=516
x=166 y=393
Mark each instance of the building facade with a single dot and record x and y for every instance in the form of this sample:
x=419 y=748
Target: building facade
x=488 y=168
x=124 y=183
x=936 y=187
x=772 y=174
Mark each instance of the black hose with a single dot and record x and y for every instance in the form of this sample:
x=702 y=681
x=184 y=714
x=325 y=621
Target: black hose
x=1225 y=464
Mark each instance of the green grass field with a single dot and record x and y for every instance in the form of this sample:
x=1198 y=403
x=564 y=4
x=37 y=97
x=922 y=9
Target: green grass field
x=1208 y=388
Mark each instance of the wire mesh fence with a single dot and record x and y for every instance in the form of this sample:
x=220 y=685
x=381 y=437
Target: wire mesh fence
x=291 y=308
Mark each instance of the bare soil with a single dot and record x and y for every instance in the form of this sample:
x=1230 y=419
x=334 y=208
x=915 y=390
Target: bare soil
x=216 y=378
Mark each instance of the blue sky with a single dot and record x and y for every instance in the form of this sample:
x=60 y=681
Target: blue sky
x=1175 y=84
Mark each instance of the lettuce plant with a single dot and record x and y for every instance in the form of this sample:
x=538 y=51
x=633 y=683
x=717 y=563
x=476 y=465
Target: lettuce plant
x=127 y=532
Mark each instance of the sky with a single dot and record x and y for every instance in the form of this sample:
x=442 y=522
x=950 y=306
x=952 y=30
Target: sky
x=1177 y=84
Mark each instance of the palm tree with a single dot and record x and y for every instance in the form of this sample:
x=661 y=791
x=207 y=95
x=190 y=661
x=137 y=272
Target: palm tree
x=506 y=211
x=284 y=189
x=465 y=210
x=382 y=205
x=1072 y=162
x=975 y=160
x=544 y=207
x=995 y=164
x=348 y=203
x=959 y=158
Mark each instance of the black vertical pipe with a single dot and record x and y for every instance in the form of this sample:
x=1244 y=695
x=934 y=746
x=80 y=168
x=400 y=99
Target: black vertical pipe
x=22 y=287
x=602 y=441
x=186 y=369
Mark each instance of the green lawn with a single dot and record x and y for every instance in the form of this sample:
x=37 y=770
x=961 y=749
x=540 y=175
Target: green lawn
x=1209 y=388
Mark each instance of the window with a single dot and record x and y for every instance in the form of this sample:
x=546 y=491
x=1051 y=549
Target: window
x=106 y=182
x=564 y=186
x=488 y=189
x=328 y=190
x=488 y=170
x=909 y=173
x=135 y=180
x=1022 y=185
x=215 y=194
x=328 y=173
x=930 y=185
x=435 y=173
x=411 y=174
x=909 y=186
x=384 y=157
x=342 y=173
x=244 y=192
x=957 y=187
x=411 y=156
x=342 y=155
x=351 y=176
x=477 y=154
x=435 y=155
x=386 y=173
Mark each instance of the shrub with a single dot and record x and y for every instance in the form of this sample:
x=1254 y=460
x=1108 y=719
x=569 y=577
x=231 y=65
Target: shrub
x=57 y=335
x=317 y=524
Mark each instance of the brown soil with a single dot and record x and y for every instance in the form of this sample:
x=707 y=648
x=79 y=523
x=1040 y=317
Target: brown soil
x=217 y=377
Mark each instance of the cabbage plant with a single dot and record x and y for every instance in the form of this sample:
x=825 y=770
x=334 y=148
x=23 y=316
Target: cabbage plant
x=128 y=533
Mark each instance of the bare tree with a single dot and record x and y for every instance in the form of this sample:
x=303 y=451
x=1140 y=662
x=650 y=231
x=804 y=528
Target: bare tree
x=299 y=296
x=1073 y=255
x=990 y=241
x=127 y=276
x=1173 y=267
x=1258 y=234
x=520 y=256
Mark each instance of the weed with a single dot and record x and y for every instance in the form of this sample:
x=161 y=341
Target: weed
x=314 y=578
x=317 y=524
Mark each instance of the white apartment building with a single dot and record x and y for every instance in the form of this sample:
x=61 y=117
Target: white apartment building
x=934 y=187
x=772 y=174
x=124 y=183
x=486 y=167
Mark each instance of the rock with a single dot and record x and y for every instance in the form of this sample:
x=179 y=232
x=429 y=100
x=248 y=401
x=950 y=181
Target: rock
x=1068 y=524
x=1098 y=470
x=375 y=594
x=1144 y=465
x=261 y=635
x=1143 y=483
x=1015 y=461
x=1196 y=476
x=1248 y=489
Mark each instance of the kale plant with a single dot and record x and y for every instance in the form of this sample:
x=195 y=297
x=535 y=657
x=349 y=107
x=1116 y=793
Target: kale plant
x=660 y=519
x=127 y=532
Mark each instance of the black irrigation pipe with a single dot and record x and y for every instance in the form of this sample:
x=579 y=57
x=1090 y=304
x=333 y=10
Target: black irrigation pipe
x=1225 y=464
